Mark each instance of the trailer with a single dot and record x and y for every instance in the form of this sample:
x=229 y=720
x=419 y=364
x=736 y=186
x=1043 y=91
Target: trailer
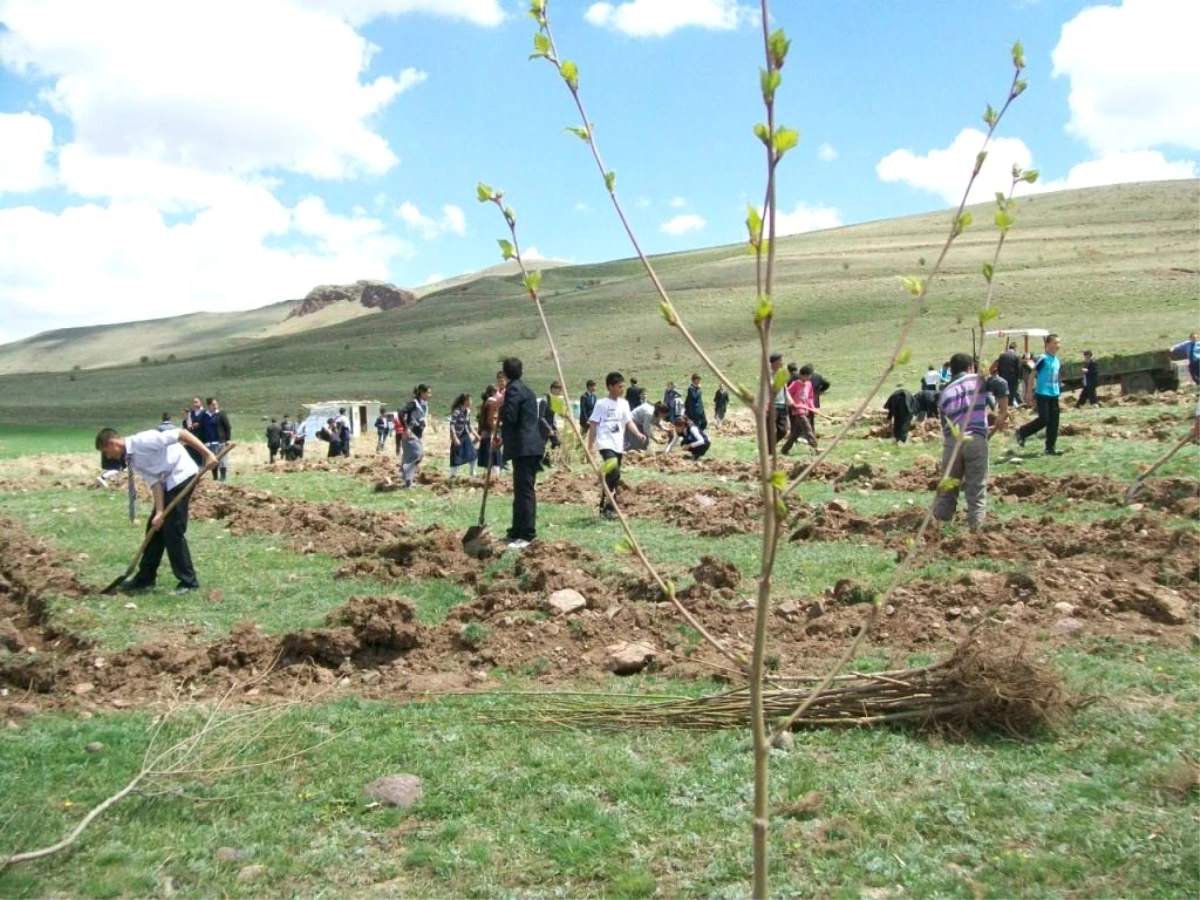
x=1136 y=373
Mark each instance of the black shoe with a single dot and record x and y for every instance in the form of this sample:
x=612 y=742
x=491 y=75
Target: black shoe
x=1020 y=440
x=133 y=586
x=607 y=513
x=1055 y=452
x=182 y=590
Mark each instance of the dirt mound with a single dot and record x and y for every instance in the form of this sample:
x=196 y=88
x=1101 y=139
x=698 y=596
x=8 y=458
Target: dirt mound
x=1180 y=496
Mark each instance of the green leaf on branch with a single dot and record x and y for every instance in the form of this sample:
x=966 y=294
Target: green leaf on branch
x=946 y=485
x=990 y=116
x=483 y=193
x=785 y=139
x=761 y=132
x=779 y=479
x=754 y=225
x=533 y=281
x=989 y=314
x=537 y=7
x=913 y=285
x=780 y=508
x=1001 y=199
x=980 y=158
x=1018 y=55
x=778 y=380
x=764 y=310
x=956 y=432
x=622 y=547
x=1003 y=220
x=1019 y=88
x=506 y=249
x=670 y=589
x=905 y=357
x=609 y=465
x=541 y=45
x=668 y=312
x=1030 y=176
x=582 y=133
x=558 y=403
x=570 y=74
x=988 y=271
x=963 y=223
x=769 y=80
x=610 y=180
x=778 y=45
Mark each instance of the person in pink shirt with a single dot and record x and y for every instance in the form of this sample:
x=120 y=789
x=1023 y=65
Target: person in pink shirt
x=800 y=405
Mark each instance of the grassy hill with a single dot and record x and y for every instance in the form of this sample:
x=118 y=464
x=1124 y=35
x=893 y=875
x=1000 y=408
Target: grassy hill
x=1113 y=269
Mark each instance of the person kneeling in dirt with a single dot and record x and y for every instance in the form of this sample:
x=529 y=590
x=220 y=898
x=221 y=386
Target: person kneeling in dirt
x=690 y=437
x=964 y=407
x=160 y=459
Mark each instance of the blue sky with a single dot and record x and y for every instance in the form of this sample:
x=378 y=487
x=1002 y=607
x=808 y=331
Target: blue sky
x=162 y=158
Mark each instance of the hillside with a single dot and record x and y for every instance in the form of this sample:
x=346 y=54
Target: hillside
x=195 y=334
x=1112 y=268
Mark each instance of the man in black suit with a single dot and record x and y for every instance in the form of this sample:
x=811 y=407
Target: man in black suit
x=524 y=447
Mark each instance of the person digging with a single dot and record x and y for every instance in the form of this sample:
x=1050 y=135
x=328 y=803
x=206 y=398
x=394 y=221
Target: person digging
x=162 y=461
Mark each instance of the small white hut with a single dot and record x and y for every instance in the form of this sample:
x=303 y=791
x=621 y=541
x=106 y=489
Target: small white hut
x=361 y=413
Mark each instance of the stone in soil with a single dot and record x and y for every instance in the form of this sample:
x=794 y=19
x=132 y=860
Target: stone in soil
x=629 y=657
x=395 y=790
x=565 y=601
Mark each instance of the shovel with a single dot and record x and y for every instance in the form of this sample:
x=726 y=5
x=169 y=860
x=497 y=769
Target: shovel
x=475 y=542
x=150 y=532
x=1138 y=482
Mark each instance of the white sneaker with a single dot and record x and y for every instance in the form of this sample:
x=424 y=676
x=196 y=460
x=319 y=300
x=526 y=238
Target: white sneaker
x=518 y=544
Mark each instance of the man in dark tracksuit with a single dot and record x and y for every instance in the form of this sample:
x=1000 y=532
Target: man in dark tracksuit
x=274 y=439
x=524 y=447
x=693 y=406
x=900 y=407
x=1008 y=367
x=587 y=402
x=1091 y=381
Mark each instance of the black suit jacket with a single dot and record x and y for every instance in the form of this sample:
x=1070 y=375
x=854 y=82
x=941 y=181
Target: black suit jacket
x=519 y=422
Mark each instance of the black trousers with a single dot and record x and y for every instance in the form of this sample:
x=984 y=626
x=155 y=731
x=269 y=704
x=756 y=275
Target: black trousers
x=612 y=479
x=1047 y=417
x=273 y=449
x=1014 y=391
x=524 y=509
x=900 y=427
x=172 y=538
x=1088 y=395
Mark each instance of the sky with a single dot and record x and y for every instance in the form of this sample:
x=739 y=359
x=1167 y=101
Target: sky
x=160 y=157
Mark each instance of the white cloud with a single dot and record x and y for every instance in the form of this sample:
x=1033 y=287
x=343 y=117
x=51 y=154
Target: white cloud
x=642 y=202
x=580 y=207
x=826 y=153
x=453 y=220
x=198 y=112
x=1119 y=167
x=126 y=262
x=533 y=253
x=359 y=12
x=658 y=18
x=25 y=142
x=433 y=278
x=1133 y=70
x=682 y=224
x=225 y=86
x=945 y=171
x=677 y=202
x=806 y=218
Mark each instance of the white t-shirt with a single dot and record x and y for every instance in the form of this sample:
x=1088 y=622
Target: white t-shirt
x=158 y=456
x=611 y=418
x=643 y=417
x=931 y=379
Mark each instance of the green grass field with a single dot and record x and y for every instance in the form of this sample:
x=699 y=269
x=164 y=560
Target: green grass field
x=1109 y=268
x=1092 y=810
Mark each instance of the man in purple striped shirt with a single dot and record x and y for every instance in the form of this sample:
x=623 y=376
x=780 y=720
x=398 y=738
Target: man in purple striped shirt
x=964 y=404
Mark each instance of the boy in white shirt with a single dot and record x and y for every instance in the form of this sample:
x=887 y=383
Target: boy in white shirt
x=609 y=421
x=160 y=459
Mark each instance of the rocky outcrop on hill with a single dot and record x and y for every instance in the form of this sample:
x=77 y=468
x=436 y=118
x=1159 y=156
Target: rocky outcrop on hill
x=371 y=294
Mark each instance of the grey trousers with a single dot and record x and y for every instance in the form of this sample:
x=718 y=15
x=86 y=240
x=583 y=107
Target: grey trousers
x=414 y=450
x=971 y=470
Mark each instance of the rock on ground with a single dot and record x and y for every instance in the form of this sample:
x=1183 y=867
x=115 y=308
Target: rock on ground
x=629 y=657
x=395 y=790
x=565 y=601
